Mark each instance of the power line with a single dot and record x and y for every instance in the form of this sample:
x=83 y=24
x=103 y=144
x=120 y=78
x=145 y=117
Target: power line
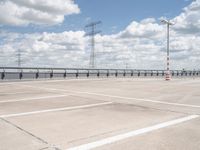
x=92 y=34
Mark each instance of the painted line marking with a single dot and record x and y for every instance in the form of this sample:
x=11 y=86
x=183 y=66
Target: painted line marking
x=120 y=97
x=29 y=99
x=51 y=81
x=12 y=93
x=11 y=82
x=111 y=140
x=144 y=100
x=54 y=110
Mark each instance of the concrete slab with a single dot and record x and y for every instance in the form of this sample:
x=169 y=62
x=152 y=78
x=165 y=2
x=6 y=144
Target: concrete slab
x=23 y=93
x=44 y=104
x=156 y=90
x=183 y=136
x=137 y=103
x=71 y=128
x=14 y=138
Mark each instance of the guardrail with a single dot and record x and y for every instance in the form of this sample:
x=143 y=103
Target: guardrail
x=7 y=73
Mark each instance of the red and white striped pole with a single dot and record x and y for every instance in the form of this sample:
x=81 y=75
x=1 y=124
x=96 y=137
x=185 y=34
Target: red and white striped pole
x=168 y=74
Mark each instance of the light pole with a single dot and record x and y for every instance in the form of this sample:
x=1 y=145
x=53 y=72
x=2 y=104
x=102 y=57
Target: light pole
x=168 y=74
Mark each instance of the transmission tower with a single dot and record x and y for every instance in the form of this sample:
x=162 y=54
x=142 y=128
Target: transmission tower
x=92 y=33
x=19 y=58
x=19 y=61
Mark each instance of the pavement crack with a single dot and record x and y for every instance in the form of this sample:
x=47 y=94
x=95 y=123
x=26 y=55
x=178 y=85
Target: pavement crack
x=32 y=135
x=25 y=131
x=50 y=148
x=44 y=148
x=158 y=109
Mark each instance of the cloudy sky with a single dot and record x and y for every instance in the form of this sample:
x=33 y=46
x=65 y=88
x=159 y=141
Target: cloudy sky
x=50 y=33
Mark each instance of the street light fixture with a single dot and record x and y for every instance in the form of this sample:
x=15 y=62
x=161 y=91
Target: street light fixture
x=168 y=23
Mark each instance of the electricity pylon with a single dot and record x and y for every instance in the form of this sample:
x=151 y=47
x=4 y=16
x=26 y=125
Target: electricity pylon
x=92 y=34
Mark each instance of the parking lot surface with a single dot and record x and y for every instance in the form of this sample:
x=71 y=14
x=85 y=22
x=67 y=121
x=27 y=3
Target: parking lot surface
x=100 y=114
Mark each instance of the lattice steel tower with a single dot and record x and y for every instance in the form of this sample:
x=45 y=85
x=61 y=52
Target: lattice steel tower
x=92 y=34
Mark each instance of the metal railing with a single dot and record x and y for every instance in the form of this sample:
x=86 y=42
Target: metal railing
x=7 y=73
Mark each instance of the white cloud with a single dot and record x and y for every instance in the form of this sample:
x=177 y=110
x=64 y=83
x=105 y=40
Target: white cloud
x=47 y=49
x=144 y=29
x=141 y=45
x=24 y=12
x=188 y=22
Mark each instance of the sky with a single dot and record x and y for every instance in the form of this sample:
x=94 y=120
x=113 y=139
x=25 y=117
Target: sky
x=52 y=33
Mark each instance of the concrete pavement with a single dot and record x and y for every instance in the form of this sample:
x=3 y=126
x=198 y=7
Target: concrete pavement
x=67 y=114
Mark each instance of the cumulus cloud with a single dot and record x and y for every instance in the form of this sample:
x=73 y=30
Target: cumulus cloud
x=144 y=29
x=188 y=22
x=141 y=45
x=46 y=49
x=25 y=12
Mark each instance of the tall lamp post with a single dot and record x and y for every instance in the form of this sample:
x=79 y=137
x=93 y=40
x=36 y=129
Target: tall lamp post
x=168 y=74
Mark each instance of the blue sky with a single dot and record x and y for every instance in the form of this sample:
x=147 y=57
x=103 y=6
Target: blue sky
x=120 y=13
x=115 y=14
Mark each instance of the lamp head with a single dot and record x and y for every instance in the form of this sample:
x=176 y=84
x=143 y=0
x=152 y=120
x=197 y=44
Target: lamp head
x=164 y=21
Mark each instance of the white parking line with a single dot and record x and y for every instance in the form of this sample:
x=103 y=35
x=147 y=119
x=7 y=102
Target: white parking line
x=54 y=110
x=144 y=100
x=49 y=81
x=124 y=136
x=29 y=99
x=10 y=82
x=120 y=97
x=12 y=93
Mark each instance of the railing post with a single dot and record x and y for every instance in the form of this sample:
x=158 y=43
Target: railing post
x=77 y=73
x=51 y=74
x=138 y=73
x=65 y=74
x=98 y=73
x=131 y=73
x=107 y=73
x=88 y=73
x=145 y=73
x=3 y=75
x=21 y=74
x=124 y=73
x=116 y=73
x=172 y=73
x=181 y=73
x=37 y=74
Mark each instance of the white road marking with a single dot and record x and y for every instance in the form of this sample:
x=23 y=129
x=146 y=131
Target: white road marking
x=145 y=100
x=121 y=97
x=49 y=81
x=35 y=98
x=130 y=134
x=12 y=93
x=54 y=110
x=11 y=82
